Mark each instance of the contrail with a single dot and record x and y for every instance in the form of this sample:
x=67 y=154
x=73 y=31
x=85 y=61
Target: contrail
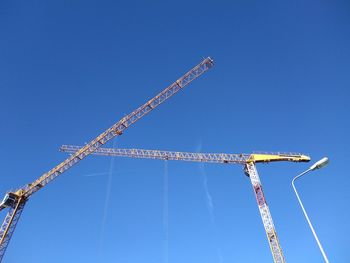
x=107 y=173
x=94 y=174
x=210 y=204
x=209 y=199
x=106 y=204
x=166 y=213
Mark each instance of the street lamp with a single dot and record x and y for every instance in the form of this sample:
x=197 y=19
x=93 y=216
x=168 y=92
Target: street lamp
x=324 y=161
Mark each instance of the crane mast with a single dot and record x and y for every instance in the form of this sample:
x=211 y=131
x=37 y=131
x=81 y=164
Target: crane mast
x=264 y=210
x=248 y=160
x=16 y=200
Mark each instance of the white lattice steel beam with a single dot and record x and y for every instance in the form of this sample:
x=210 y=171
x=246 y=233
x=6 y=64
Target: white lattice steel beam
x=266 y=217
x=165 y=155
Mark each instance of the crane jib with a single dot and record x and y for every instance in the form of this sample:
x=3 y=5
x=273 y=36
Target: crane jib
x=19 y=197
x=120 y=126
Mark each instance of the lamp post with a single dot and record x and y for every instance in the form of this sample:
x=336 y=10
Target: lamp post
x=324 y=161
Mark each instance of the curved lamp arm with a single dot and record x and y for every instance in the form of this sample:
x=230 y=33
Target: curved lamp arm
x=321 y=163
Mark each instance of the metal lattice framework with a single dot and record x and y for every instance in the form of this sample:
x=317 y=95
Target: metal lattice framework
x=18 y=198
x=120 y=126
x=241 y=158
x=265 y=213
x=165 y=155
x=9 y=225
x=248 y=160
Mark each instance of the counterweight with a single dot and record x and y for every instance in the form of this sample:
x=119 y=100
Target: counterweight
x=16 y=200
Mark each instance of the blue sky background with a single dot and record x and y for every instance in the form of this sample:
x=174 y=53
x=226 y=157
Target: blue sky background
x=70 y=69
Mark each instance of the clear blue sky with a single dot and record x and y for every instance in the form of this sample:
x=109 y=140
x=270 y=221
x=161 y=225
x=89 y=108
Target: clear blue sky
x=70 y=69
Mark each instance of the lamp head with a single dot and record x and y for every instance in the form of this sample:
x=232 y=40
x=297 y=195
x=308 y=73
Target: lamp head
x=323 y=162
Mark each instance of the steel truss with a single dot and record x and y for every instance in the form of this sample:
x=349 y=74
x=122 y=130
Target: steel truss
x=19 y=197
x=266 y=217
x=248 y=160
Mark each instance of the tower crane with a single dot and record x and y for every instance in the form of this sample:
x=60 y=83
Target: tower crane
x=15 y=201
x=248 y=160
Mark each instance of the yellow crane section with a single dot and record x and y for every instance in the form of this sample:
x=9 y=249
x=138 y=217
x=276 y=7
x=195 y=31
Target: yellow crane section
x=278 y=157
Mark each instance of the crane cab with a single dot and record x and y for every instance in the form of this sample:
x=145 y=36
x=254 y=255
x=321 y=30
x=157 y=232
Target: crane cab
x=9 y=200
